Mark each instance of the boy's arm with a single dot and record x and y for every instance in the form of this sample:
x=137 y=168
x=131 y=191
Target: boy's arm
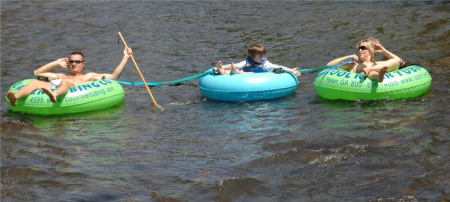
x=291 y=70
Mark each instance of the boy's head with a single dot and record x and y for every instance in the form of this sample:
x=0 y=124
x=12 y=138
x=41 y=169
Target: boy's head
x=256 y=52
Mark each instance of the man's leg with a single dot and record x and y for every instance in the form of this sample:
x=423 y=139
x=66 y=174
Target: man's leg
x=63 y=88
x=27 y=90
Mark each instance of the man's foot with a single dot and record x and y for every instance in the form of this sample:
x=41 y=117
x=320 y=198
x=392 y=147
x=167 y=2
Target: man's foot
x=381 y=75
x=50 y=94
x=12 y=98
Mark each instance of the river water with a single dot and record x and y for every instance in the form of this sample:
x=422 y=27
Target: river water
x=297 y=148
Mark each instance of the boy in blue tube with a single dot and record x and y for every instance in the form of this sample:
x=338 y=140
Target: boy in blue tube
x=256 y=62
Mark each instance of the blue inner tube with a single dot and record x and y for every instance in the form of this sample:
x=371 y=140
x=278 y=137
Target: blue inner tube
x=248 y=87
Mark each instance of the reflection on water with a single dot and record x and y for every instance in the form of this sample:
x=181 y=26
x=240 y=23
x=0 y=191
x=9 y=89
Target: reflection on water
x=297 y=148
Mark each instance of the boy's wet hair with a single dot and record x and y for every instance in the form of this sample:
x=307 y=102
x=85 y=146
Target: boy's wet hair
x=256 y=49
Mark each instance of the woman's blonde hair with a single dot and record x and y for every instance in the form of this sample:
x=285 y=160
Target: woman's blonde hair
x=370 y=45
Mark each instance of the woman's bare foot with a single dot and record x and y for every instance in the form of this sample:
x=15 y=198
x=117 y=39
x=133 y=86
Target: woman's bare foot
x=366 y=71
x=50 y=94
x=381 y=75
x=12 y=98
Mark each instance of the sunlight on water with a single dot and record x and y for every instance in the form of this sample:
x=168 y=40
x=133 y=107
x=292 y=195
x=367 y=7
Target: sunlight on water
x=297 y=148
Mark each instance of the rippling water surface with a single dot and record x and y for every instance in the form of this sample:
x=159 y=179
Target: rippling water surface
x=298 y=148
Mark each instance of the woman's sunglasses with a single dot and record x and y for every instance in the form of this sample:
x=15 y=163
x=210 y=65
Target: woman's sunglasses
x=362 y=48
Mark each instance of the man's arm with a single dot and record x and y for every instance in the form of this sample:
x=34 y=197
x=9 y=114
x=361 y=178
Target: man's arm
x=49 y=75
x=119 y=69
x=62 y=62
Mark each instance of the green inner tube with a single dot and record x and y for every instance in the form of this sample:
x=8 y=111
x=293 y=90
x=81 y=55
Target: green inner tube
x=86 y=97
x=408 y=82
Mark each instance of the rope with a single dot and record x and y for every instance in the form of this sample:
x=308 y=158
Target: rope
x=310 y=71
x=169 y=83
x=187 y=80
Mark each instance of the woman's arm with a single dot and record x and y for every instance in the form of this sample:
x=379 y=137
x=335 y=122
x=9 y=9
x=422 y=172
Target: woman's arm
x=347 y=66
x=380 y=49
x=393 y=63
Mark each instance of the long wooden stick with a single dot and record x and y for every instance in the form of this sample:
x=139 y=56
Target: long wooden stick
x=140 y=74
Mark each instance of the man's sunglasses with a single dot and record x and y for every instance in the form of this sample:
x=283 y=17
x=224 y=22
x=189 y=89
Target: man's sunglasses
x=75 y=61
x=362 y=48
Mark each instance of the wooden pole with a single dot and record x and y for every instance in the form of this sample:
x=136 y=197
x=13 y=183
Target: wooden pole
x=142 y=77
